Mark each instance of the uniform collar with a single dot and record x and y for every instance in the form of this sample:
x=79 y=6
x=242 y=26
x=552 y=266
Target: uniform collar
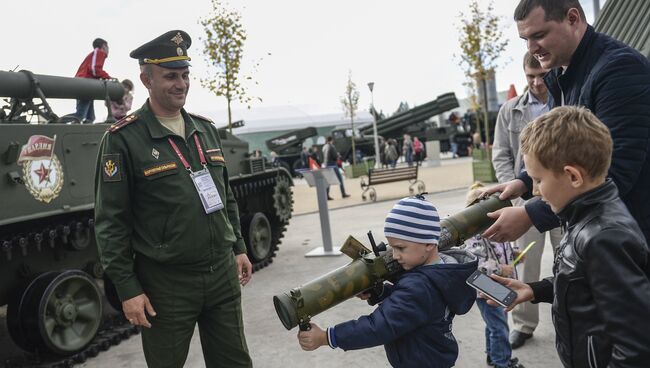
x=156 y=130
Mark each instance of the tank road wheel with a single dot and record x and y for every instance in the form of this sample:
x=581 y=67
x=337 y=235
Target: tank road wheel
x=257 y=235
x=58 y=312
x=283 y=199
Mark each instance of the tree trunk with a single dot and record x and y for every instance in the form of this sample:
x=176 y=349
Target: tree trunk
x=229 y=117
x=354 y=150
x=486 y=121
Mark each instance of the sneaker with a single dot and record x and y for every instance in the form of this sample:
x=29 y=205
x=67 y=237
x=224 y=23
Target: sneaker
x=514 y=363
x=345 y=195
x=330 y=198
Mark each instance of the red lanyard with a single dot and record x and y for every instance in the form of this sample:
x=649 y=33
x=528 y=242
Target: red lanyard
x=180 y=155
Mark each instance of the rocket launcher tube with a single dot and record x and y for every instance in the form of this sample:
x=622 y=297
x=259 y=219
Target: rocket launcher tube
x=472 y=220
x=367 y=269
x=300 y=304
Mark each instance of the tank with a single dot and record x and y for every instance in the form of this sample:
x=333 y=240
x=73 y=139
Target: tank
x=59 y=306
x=288 y=147
x=364 y=145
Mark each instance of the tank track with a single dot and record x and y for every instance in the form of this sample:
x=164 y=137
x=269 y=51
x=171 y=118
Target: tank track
x=114 y=330
x=264 y=189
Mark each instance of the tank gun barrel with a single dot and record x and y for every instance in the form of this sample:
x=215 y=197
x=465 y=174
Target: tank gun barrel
x=24 y=85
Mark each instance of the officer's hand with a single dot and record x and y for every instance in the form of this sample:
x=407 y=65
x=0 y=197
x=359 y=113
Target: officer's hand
x=244 y=268
x=509 y=190
x=511 y=223
x=523 y=290
x=312 y=339
x=134 y=310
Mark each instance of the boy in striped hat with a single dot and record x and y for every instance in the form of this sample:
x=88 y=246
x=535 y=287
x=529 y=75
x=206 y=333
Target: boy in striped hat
x=414 y=318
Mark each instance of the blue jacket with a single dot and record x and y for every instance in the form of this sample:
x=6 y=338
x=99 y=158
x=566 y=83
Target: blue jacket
x=414 y=320
x=613 y=81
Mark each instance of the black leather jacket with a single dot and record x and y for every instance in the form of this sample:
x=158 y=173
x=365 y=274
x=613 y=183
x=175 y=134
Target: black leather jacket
x=601 y=287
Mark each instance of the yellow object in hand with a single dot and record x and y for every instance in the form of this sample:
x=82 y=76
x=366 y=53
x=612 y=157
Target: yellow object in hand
x=522 y=253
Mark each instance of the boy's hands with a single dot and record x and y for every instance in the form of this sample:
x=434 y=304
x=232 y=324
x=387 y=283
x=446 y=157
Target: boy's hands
x=364 y=295
x=506 y=270
x=516 y=254
x=312 y=339
x=523 y=290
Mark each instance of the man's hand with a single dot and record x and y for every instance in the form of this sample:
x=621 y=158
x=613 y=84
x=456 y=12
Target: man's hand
x=523 y=290
x=509 y=190
x=511 y=223
x=312 y=339
x=244 y=268
x=134 y=310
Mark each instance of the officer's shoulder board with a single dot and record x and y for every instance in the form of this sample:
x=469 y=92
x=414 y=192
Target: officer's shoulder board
x=122 y=123
x=200 y=117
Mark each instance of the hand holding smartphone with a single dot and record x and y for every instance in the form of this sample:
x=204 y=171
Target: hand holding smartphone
x=502 y=295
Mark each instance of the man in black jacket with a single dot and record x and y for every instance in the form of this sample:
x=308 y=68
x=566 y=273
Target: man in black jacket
x=606 y=76
x=600 y=290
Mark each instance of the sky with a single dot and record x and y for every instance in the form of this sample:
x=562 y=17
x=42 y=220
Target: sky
x=305 y=49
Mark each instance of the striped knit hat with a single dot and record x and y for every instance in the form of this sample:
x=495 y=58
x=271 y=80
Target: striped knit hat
x=413 y=219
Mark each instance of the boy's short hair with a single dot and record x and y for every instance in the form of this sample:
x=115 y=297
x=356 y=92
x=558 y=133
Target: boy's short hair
x=569 y=135
x=98 y=43
x=128 y=84
x=413 y=219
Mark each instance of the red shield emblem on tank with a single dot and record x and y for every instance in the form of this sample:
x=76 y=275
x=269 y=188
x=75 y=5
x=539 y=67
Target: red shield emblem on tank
x=42 y=171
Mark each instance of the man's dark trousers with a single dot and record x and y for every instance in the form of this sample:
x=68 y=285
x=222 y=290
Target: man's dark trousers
x=183 y=298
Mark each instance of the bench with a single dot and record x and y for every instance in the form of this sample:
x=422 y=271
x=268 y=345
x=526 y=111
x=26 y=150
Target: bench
x=383 y=176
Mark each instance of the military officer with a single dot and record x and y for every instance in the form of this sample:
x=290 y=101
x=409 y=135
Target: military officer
x=166 y=220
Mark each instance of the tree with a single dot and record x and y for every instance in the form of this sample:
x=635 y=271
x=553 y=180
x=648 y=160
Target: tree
x=481 y=43
x=350 y=102
x=223 y=48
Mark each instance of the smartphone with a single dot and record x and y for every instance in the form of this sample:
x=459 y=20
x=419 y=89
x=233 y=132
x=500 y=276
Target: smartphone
x=495 y=291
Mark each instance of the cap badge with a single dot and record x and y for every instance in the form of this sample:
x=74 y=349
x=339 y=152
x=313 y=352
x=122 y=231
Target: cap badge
x=178 y=39
x=179 y=51
x=155 y=153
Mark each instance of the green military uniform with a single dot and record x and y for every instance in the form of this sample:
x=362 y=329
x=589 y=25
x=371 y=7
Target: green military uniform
x=155 y=237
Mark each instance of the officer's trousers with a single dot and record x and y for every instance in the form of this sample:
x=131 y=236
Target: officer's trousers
x=183 y=298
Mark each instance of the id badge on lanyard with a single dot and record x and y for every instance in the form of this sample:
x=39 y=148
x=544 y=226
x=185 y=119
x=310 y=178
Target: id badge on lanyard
x=205 y=187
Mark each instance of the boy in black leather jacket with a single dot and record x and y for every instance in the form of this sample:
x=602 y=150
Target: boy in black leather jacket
x=600 y=289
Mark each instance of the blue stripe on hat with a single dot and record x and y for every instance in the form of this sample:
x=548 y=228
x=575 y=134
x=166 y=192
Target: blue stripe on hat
x=420 y=205
x=415 y=214
x=430 y=227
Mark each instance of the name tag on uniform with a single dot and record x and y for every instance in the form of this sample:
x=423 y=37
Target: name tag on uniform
x=208 y=192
